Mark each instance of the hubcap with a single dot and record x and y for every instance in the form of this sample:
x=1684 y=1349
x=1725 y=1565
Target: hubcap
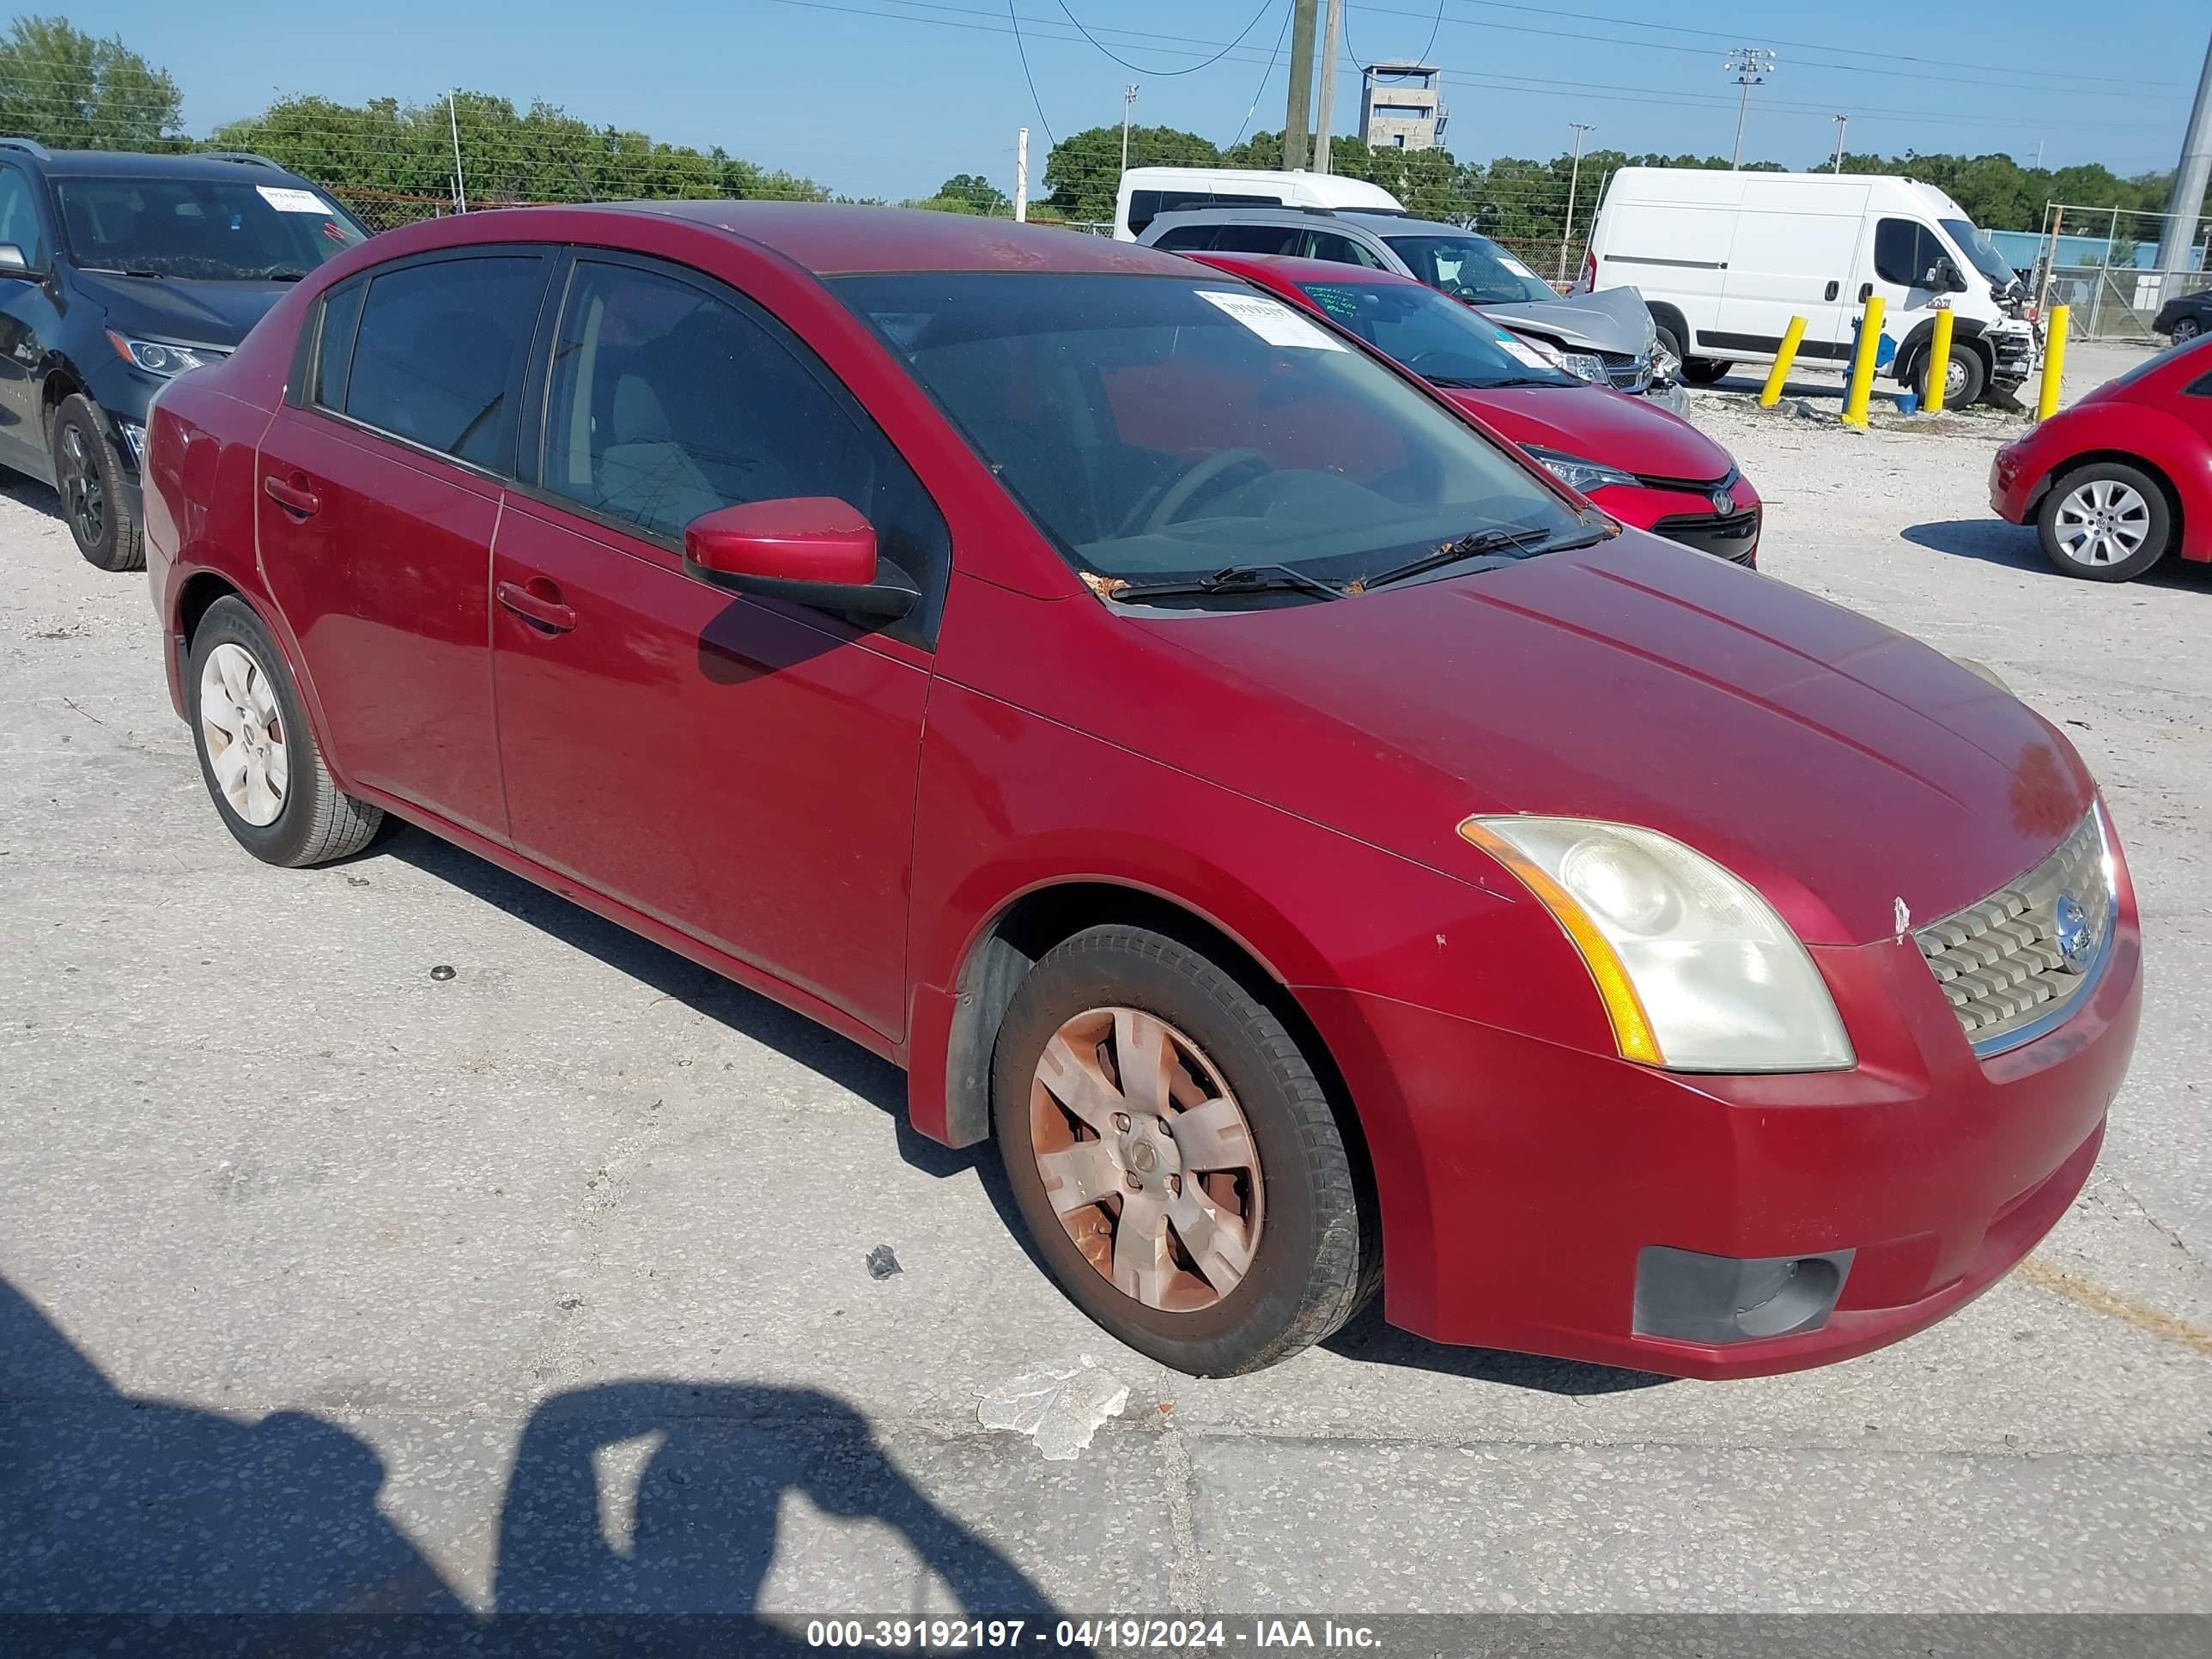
x=83 y=498
x=2102 y=522
x=1147 y=1158
x=243 y=732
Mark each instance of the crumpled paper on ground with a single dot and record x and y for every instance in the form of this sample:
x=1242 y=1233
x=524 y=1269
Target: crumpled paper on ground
x=1060 y=1410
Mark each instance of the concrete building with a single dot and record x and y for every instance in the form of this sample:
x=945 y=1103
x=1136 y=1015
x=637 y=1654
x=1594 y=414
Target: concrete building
x=1401 y=107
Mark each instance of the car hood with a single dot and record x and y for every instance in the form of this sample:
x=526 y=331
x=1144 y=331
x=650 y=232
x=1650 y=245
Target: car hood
x=1862 y=782
x=1599 y=425
x=1612 y=319
x=186 y=310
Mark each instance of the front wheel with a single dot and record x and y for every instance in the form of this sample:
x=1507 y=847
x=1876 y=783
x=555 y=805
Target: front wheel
x=89 y=477
x=2186 y=329
x=2105 y=522
x=1705 y=371
x=1175 y=1157
x=1963 y=378
x=257 y=753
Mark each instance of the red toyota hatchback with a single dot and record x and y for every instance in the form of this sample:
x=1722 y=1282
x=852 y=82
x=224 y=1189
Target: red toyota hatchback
x=1643 y=465
x=1321 y=849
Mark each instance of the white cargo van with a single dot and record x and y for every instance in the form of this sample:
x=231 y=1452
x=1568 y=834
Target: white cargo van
x=1725 y=259
x=1147 y=192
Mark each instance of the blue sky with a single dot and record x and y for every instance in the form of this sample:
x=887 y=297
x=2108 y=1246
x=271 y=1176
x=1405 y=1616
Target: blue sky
x=888 y=97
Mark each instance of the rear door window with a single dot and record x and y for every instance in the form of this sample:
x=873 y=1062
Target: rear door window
x=439 y=355
x=1258 y=239
x=1186 y=239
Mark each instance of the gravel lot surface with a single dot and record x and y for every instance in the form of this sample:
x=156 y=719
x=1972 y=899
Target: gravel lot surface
x=325 y=1282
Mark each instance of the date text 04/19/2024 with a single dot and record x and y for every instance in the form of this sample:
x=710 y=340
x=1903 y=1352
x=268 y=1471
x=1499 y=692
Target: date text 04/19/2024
x=951 y=1635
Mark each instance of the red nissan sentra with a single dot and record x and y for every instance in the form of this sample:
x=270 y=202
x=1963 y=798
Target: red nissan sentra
x=1643 y=465
x=1319 y=847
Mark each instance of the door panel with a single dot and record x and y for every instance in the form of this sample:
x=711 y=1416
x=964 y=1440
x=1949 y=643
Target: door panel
x=736 y=769
x=30 y=322
x=384 y=585
x=1784 y=265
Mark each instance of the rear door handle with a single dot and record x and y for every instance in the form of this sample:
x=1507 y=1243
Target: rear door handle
x=542 y=607
x=1866 y=292
x=294 y=494
x=1833 y=289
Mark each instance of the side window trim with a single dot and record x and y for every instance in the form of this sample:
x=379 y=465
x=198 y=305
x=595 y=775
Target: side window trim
x=306 y=389
x=528 y=477
x=502 y=468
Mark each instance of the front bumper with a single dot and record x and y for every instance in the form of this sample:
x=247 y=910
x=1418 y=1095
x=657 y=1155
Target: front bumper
x=1524 y=1185
x=1683 y=512
x=2011 y=485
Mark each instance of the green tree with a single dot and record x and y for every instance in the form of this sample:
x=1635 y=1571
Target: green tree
x=978 y=193
x=63 y=88
x=1084 y=172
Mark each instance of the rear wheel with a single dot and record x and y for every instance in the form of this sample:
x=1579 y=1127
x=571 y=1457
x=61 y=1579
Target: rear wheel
x=2186 y=328
x=257 y=754
x=88 y=477
x=2105 y=522
x=1175 y=1157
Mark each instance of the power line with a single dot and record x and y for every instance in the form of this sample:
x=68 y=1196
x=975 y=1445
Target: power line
x=1026 y=76
x=1435 y=23
x=1266 y=75
x=1142 y=69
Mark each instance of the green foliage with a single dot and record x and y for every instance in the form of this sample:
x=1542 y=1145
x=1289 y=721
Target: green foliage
x=2000 y=194
x=64 y=88
x=976 y=194
x=1084 y=168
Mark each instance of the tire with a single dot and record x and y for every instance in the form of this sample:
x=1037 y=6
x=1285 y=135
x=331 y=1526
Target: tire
x=2186 y=329
x=2129 y=506
x=1962 y=386
x=1296 y=1198
x=1704 y=371
x=88 y=475
x=313 y=821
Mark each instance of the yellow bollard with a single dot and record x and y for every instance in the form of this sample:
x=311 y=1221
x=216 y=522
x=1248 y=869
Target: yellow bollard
x=1776 y=377
x=1939 y=361
x=1861 y=387
x=2054 y=362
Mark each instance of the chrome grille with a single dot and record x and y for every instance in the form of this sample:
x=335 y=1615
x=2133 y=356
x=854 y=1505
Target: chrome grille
x=1628 y=373
x=2002 y=963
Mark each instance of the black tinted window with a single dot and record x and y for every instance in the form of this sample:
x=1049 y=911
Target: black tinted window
x=334 y=345
x=1904 y=251
x=439 y=355
x=666 y=402
x=244 y=228
x=1341 y=250
x=1185 y=239
x=1257 y=238
x=19 y=218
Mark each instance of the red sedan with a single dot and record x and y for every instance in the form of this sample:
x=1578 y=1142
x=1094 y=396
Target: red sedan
x=1321 y=849
x=2116 y=481
x=1643 y=465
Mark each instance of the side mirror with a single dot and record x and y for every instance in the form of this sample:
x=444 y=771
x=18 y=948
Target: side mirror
x=12 y=262
x=810 y=549
x=1945 y=278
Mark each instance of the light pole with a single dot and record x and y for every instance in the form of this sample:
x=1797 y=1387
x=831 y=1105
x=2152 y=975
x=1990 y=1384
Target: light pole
x=1128 y=97
x=1842 y=122
x=1574 y=178
x=1322 y=117
x=1750 y=65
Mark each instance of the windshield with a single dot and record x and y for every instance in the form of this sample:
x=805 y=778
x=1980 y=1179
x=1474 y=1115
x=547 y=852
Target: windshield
x=1161 y=428
x=222 y=229
x=1439 y=340
x=1471 y=268
x=1981 y=250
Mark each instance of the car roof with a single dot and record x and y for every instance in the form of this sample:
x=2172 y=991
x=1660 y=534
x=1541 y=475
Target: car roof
x=834 y=239
x=147 y=164
x=1284 y=268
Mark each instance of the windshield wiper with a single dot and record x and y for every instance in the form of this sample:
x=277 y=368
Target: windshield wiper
x=1478 y=546
x=1235 y=579
x=122 y=270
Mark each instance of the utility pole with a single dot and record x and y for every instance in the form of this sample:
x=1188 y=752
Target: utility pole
x=2190 y=179
x=1750 y=65
x=1022 y=177
x=460 y=182
x=1842 y=122
x=1574 y=178
x=1297 y=119
x=1128 y=97
x=1322 y=116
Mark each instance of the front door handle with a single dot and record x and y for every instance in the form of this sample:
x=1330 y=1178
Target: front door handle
x=539 y=602
x=295 y=494
x=1833 y=289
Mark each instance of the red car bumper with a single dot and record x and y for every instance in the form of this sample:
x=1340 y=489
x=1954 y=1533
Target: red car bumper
x=2012 y=485
x=1687 y=514
x=1526 y=1187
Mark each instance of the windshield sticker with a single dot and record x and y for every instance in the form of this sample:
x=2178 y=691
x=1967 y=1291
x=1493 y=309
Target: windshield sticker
x=1277 y=324
x=1516 y=267
x=1522 y=353
x=285 y=200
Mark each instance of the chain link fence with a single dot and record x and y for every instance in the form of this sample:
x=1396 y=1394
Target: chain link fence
x=2105 y=264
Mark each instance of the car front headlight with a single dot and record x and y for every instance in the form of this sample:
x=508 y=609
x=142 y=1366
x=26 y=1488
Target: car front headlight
x=1579 y=473
x=1696 y=970
x=163 y=356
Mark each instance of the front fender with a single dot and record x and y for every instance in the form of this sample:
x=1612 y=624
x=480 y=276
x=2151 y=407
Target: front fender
x=2142 y=432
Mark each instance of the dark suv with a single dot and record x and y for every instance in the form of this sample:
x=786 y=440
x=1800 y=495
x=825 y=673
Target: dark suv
x=118 y=271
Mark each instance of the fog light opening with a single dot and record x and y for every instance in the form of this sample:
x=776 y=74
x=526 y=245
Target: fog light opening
x=1689 y=1297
